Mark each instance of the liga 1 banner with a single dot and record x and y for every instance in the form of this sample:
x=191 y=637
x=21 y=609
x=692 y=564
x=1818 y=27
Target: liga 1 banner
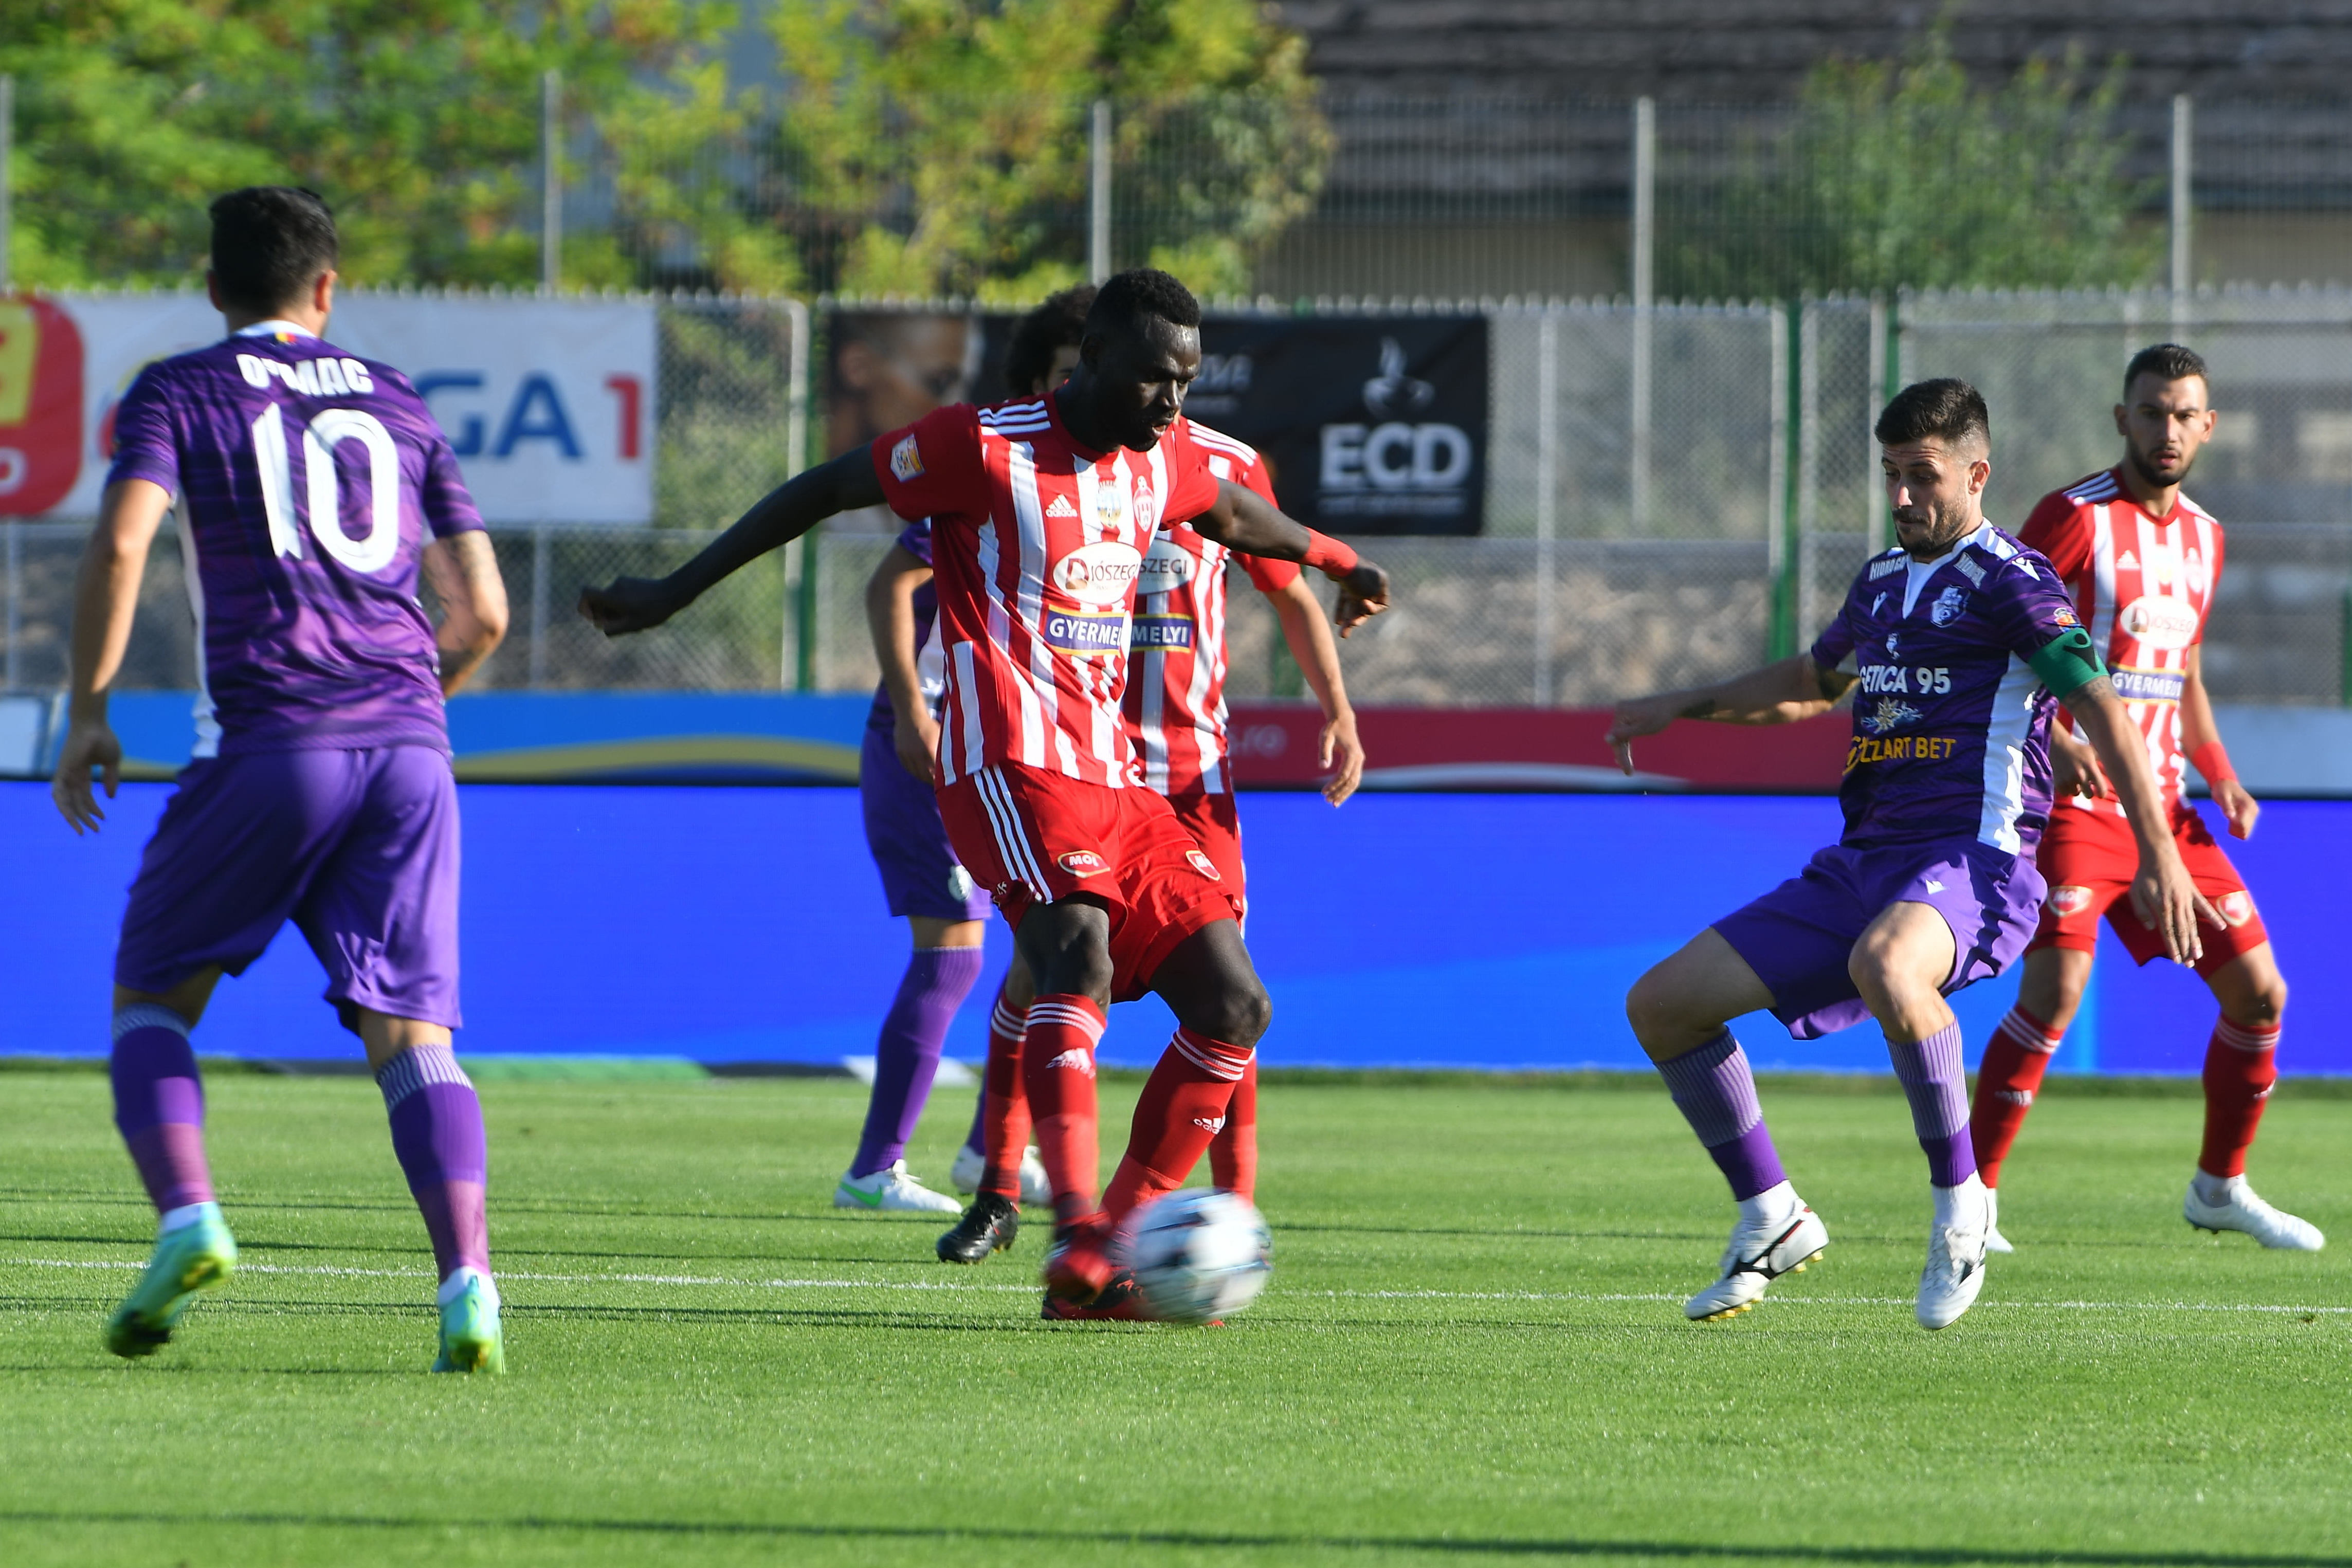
x=1368 y=424
x=549 y=404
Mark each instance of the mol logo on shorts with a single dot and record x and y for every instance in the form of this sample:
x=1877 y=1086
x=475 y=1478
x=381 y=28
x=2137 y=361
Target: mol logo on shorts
x=1083 y=863
x=2236 y=908
x=2070 y=901
x=1203 y=865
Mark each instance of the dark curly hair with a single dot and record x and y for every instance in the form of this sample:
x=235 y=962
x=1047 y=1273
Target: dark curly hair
x=1057 y=324
x=270 y=243
x=1132 y=299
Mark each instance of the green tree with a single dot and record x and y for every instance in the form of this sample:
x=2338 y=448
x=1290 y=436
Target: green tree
x=1892 y=174
x=419 y=120
x=942 y=146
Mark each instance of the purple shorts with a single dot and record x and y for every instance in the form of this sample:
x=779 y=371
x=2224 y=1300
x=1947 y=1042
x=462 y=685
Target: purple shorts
x=358 y=849
x=1798 y=937
x=920 y=875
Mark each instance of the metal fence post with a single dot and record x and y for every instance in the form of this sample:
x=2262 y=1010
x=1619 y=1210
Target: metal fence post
x=1805 y=456
x=8 y=188
x=1098 y=192
x=1873 y=526
x=1547 y=497
x=792 y=662
x=12 y=677
x=811 y=607
x=551 y=182
x=542 y=568
x=1780 y=482
x=2184 y=166
x=1644 y=263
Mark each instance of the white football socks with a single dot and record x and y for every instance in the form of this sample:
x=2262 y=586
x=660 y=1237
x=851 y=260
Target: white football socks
x=465 y=1273
x=186 y=1216
x=1777 y=1202
x=1963 y=1206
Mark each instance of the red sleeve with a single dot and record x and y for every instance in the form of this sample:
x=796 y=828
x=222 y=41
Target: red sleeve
x=2061 y=531
x=1271 y=576
x=931 y=468
x=2213 y=583
x=1192 y=488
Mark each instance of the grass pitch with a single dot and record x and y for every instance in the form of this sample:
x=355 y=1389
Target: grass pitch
x=1472 y=1349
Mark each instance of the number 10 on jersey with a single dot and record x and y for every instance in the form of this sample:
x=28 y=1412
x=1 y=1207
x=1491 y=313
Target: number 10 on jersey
x=324 y=510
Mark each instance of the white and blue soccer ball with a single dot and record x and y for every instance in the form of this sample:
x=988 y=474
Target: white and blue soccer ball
x=1199 y=1256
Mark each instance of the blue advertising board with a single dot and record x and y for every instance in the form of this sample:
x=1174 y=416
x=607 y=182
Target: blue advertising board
x=1473 y=930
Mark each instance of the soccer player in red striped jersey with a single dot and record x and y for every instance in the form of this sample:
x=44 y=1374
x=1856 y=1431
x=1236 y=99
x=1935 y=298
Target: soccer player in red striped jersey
x=1041 y=510
x=2142 y=562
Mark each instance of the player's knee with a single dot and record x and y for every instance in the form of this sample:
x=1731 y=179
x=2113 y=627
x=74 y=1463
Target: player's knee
x=2267 y=1006
x=1242 y=1013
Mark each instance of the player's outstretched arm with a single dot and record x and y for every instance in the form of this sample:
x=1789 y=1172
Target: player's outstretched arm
x=783 y=514
x=106 y=600
x=2162 y=893
x=1245 y=521
x=464 y=571
x=1779 y=693
x=2200 y=737
x=890 y=618
x=1301 y=614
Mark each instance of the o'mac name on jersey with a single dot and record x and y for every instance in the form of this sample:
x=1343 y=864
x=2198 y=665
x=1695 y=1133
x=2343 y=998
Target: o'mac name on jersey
x=322 y=377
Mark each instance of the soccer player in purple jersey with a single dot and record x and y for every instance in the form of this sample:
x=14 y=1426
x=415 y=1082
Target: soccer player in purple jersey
x=312 y=488
x=1958 y=644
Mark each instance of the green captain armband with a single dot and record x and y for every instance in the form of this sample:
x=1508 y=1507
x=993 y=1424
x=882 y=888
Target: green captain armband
x=2067 y=663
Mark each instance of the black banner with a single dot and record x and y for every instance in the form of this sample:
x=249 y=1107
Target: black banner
x=1368 y=425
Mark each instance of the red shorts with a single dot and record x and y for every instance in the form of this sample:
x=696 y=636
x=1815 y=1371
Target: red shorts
x=1033 y=837
x=1215 y=825
x=2089 y=859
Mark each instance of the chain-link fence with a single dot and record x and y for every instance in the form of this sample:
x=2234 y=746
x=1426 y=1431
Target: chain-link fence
x=1672 y=495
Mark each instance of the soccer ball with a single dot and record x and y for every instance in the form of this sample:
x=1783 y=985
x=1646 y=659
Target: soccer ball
x=1199 y=1256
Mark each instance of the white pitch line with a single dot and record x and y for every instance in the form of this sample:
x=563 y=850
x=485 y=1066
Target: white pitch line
x=329 y=1271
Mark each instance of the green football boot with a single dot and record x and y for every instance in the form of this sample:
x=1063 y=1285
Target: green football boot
x=195 y=1257
x=470 y=1338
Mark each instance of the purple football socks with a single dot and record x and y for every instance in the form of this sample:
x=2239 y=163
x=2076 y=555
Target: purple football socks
x=437 y=1131
x=1717 y=1094
x=159 y=1105
x=1933 y=1079
x=908 y=1056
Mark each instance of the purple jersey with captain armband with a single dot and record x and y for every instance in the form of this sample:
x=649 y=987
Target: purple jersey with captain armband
x=309 y=483
x=1951 y=726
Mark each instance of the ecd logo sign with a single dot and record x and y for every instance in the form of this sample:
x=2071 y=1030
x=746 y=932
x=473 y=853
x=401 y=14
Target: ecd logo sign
x=40 y=406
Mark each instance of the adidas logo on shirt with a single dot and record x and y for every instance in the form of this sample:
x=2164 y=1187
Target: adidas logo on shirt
x=1061 y=508
x=2127 y=561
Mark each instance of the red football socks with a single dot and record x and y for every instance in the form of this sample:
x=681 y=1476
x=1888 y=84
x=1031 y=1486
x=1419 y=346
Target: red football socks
x=1057 y=1068
x=2240 y=1066
x=1183 y=1108
x=2014 y=1060
x=1005 y=1119
x=1232 y=1152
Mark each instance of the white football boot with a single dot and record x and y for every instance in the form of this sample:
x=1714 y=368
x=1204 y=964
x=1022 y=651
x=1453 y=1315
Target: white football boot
x=970 y=1165
x=2218 y=1204
x=1994 y=1240
x=1783 y=1237
x=1956 y=1255
x=892 y=1190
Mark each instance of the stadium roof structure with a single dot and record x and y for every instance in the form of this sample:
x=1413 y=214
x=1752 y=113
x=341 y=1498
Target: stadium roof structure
x=1754 y=51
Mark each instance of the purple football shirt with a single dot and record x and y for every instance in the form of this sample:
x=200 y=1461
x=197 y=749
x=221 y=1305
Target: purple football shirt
x=1951 y=727
x=308 y=484
x=931 y=672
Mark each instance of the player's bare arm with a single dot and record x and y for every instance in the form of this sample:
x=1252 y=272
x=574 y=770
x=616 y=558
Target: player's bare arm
x=2162 y=893
x=464 y=571
x=106 y=600
x=1779 y=693
x=1242 y=521
x=639 y=603
x=1311 y=644
x=890 y=620
x=2198 y=734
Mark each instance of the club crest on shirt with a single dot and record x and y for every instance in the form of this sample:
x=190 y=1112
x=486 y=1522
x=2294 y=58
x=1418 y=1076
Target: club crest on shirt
x=1203 y=865
x=2070 y=901
x=1948 y=607
x=1082 y=863
x=1890 y=714
x=906 y=460
x=1145 y=508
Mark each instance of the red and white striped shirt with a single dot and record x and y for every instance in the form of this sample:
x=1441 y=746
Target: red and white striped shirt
x=1176 y=684
x=1037 y=545
x=2143 y=586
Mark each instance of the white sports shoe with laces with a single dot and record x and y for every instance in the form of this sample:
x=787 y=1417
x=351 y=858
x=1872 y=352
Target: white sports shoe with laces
x=1956 y=1255
x=892 y=1190
x=1994 y=1240
x=970 y=1165
x=2219 y=1204
x=1783 y=1241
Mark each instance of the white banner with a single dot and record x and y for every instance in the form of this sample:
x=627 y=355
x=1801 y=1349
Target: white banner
x=548 y=402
